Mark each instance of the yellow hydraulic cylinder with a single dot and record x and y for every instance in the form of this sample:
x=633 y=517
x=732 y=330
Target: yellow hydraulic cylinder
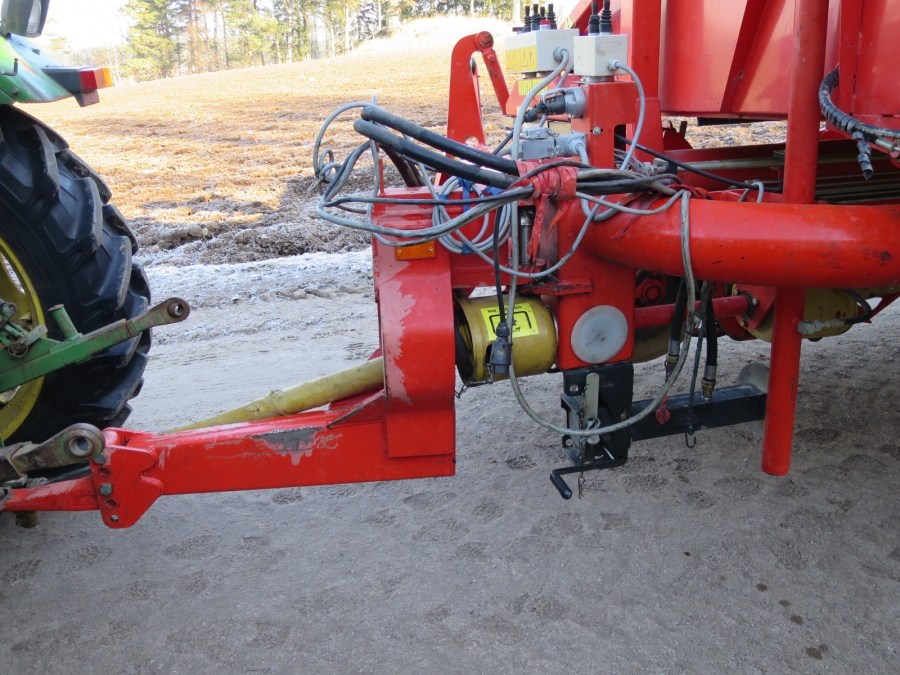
x=534 y=335
x=356 y=380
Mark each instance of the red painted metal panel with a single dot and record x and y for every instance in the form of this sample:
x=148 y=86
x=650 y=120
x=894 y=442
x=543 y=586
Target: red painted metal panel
x=877 y=89
x=733 y=57
x=698 y=43
x=415 y=302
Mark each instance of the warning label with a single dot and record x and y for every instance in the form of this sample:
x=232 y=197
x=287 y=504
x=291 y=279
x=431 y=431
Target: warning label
x=522 y=60
x=524 y=321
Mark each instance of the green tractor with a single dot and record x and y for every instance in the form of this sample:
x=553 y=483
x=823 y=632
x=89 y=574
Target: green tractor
x=73 y=301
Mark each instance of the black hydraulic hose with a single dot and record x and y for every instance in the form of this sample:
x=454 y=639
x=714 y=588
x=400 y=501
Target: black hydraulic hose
x=865 y=306
x=381 y=116
x=678 y=317
x=408 y=171
x=712 y=338
x=436 y=161
x=688 y=167
x=847 y=123
x=503 y=143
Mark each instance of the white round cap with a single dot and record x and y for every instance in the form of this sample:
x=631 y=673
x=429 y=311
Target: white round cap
x=599 y=334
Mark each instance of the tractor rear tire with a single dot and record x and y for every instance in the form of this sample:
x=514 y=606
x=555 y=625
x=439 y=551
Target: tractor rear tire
x=61 y=242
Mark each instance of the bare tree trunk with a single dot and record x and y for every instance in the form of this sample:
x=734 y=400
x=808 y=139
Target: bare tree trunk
x=208 y=58
x=471 y=7
x=516 y=11
x=346 y=28
x=216 y=37
x=330 y=23
x=225 y=41
x=289 y=56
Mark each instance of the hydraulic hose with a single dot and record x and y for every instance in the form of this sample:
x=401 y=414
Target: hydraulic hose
x=431 y=159
x=381 y=116
x=847 y=123
x=678 y=318
x=712 y=341
x=407 y=170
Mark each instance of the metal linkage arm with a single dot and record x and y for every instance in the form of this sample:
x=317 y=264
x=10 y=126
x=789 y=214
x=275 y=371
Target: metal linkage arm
x=43 y=356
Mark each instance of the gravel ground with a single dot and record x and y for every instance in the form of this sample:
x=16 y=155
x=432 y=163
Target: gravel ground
x=684 y=561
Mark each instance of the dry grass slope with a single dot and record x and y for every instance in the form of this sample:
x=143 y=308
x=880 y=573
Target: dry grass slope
x=217 y=167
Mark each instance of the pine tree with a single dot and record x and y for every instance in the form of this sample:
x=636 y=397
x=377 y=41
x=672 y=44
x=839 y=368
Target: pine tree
x=152 y=40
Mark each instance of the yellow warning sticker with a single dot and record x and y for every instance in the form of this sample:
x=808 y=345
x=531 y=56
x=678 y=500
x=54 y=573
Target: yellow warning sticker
x=522 y=60
x=525 y=86
x=524 y=321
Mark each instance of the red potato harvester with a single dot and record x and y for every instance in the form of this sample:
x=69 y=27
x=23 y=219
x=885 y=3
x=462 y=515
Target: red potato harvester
x=601 y=237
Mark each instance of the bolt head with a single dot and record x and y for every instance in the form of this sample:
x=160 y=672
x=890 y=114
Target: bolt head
x=114 y=518
x=596 y=131
x=106 y=489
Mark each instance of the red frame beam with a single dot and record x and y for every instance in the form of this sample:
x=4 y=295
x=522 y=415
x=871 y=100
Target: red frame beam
x=801 y=163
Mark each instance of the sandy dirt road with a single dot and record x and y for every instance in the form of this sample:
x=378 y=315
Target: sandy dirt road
x=684 y=561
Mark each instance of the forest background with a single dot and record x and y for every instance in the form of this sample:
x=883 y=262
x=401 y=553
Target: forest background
x=167 y=38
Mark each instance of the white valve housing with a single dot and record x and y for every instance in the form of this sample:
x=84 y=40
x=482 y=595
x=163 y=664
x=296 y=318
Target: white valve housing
x=593 y=54
x=532 y=52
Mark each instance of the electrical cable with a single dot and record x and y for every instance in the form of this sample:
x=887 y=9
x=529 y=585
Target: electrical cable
x=496 y=246
x=612 y=208
x=760 y=188
x=503 y=143
x=563 y=56
x=643 y=105
x=356 y=199
x=425 y=234
x=686 y=167
x=321 y=166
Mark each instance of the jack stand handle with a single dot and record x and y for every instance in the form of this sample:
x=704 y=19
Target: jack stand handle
x=564 y=490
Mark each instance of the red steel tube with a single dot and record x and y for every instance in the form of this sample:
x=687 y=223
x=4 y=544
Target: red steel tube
x=784 y=375
x=801 y=160
x=661 y=315
x=778 y=245
x=807 y=70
